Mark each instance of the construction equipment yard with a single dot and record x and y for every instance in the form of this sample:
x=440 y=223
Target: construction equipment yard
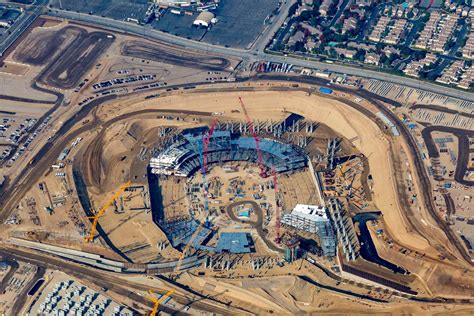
x=179 y=186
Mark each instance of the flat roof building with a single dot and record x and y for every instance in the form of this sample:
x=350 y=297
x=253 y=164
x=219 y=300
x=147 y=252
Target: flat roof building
x=204 y=19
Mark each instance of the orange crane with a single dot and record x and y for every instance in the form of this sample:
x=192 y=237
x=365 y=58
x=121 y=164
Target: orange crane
x=156 y=301
x=277 y=207
x=263 y=169
x=96 y=217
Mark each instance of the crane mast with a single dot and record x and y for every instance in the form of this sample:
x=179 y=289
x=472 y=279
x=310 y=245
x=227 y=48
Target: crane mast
x=277 y=207
x=261 y=165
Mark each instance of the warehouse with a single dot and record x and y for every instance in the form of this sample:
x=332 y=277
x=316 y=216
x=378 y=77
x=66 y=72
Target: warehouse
x=204 y=19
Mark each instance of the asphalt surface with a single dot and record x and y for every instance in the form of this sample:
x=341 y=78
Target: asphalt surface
x=171 y=55
x=256 y=53
x=76 y=59
x=27 y=100
x=40 y=49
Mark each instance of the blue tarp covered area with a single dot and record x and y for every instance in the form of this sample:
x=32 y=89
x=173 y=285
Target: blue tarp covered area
x=233 y=243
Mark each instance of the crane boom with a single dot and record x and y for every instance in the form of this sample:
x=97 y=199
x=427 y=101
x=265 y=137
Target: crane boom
x=96 y=217
x=157 y=302
x=277 y=207
x=261 y=165
x=203 y=153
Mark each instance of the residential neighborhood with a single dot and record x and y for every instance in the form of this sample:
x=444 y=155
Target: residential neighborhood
x=432 y=40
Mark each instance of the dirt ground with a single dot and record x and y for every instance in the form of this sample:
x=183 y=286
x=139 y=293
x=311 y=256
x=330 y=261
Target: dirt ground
x=365 y=136
x=368 y=138
x=290 y=295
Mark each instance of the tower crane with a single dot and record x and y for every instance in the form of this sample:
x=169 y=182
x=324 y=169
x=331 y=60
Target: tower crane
x=263 y=171
x=203 y=151
x=95 y=218
x=277 y=207
x=206 y=139
x=156 y=301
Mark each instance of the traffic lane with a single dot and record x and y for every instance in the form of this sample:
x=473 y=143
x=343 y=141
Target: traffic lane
x=268 y=33
x=115 y=284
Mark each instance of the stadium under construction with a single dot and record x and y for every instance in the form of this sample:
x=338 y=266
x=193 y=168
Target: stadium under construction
x=279 y=146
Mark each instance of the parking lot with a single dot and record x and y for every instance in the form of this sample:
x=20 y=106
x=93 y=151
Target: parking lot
x=240 y=22
x=13 y=130
x=244 y=18
x=117 y=9
x=181 y=25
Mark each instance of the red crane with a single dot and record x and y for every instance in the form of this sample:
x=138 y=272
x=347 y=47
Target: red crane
x=206 y=140
x=277 y=207
x=261 y=165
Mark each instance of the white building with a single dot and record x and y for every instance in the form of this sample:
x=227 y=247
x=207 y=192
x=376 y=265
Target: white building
x=204 y=19
x=313 y=219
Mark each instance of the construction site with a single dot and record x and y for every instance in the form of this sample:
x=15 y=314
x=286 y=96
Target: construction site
x=157 y=166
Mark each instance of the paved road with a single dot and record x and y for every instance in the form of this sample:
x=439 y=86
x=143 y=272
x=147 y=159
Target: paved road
x=23 y=22
x=256 y=53
x=120 y=286
x=267 y=35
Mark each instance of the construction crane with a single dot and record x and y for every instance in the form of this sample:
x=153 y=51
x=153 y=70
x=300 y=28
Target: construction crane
x=96 y=217
x=156 y=301
x=203 y=151
x=263 y=169
x=277 y=207
x=205 y=140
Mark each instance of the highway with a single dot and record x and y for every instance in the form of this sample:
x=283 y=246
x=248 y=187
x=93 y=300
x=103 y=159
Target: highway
x=257 y=52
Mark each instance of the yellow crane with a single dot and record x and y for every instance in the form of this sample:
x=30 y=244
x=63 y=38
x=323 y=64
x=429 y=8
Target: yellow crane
x=186 y=248
x=156 y=301
x=102 y=210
